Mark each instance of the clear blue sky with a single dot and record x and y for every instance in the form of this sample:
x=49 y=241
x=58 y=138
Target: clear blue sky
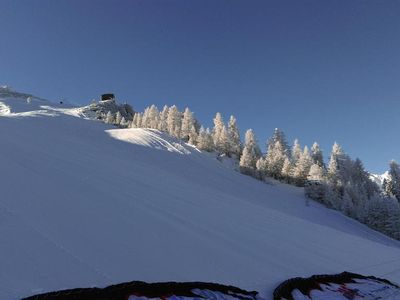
x=320 y=70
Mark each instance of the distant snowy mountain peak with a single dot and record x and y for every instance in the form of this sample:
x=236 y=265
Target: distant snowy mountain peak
x=378 y=179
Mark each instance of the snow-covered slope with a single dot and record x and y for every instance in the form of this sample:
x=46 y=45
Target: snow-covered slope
x=84 y=204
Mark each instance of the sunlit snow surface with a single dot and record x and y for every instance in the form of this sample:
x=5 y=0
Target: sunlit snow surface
x=84 y=204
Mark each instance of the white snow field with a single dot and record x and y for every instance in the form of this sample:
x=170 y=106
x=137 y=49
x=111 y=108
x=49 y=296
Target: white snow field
x=83 y=204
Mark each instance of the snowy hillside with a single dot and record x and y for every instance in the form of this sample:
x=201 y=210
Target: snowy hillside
x=84 y=204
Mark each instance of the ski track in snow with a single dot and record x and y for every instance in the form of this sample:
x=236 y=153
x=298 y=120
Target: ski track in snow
x=85 y=204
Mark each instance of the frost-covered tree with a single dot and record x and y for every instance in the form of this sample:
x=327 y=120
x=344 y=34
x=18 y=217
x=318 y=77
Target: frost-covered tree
x=277 y=152
x=392 y=186
x=287 y=170
x=110 y=118
x=139 y=120
x=275 y=158
x=205 y=141
x=261 y=168
x=302 y=167
x=187 y=124
x=174 y=121
x=118 y=118
x=235 y=146
x=280 y=137
x=193 y=136
x=134 y=121
x=337 y=169
x=251 y=153
x=222 y=145
x=383 y=214
x=316 y=173
x=123 y=123
x=153 y=117
x=296 y=151
x=315 y=186
x=163 y=119
x=217 y=131
x=146 y=118
x=316 y=155
x=347 y=205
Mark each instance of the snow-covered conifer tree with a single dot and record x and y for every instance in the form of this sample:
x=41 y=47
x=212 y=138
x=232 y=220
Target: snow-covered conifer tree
x=163 y=124
x=235 y=147
x=110 y=118
x=145 y=118
x=187 y=124
x=251 y=153
x=174 y=121
x=287 y=170
x=316 y=154
x=139 y=120
x=393 y=182
x=118 y=118
x=315 y=186
x=153 y=117
x=222 y=145
x=279 y=136
x=261 y=167
x=205 y=141
x=302 y=167
x=123 y=123
x=296 y=151
x=336 y=161
x=275 y=158
x=134 y=121
x=217 y=131
x=193 y=136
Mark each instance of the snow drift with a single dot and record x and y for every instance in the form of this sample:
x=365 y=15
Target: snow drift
x=85 y=204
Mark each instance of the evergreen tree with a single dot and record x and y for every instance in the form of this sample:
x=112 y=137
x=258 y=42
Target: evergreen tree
x=261 y=167
x=316 y=173
x=235 y=147
x=174 y=121
x=315 y=187
x=145 y=118
x=275 y=159
x=205 y=141
x=217 y=132
x=393 y=183
x=139 y=120
x=302 y=167
x=316 y=155
x=296 y=151
x=251 y=153
x=280 y=137
x=287 y=170
x=347 y=205
x=163 y=123
x=223 y=141
x=123 y=123
x=193 y=136
x=187 y=124
x=110 y=118
x=134 y=121
x=153 y=117
x=118 y=118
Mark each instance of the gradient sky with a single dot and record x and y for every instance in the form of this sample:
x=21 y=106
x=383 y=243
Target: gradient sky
x=320 y=70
